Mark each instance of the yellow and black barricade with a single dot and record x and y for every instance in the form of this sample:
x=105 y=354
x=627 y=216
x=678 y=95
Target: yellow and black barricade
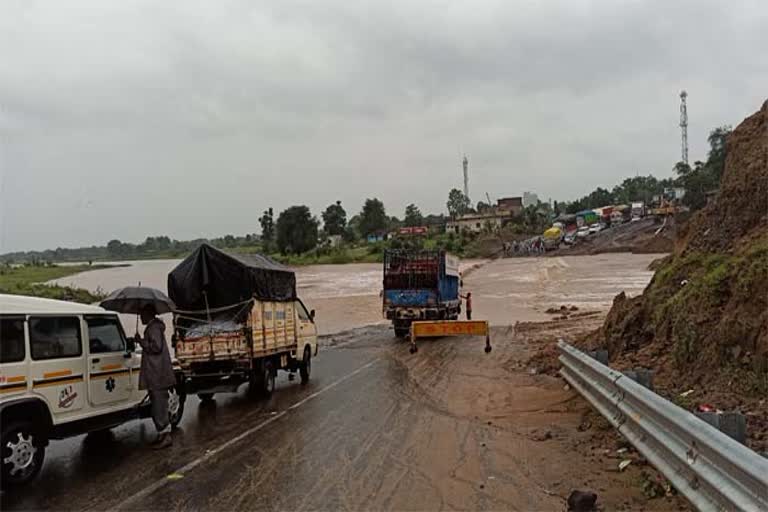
x=440 y=328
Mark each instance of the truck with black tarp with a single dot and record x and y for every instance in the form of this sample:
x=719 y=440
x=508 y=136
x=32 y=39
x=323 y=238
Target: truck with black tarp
x=420 y=285
x=238 y=319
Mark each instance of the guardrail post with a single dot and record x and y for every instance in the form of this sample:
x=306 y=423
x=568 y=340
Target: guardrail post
x=642 y=376
x=601 y=356
x=732 y=424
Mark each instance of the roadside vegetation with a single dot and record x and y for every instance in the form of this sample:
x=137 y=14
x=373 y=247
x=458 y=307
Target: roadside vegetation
x=698 y=180
x=30 y=280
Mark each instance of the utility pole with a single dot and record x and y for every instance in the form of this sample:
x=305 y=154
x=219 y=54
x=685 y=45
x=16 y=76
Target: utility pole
x=684 y=126
x=465 y=164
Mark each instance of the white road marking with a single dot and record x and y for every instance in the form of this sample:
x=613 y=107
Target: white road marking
x=209 y=454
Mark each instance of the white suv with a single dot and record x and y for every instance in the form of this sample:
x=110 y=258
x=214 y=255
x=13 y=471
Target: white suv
x=53 y=385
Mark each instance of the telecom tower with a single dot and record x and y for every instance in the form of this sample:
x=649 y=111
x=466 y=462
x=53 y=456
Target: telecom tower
x=465 y=164
x=684 y=126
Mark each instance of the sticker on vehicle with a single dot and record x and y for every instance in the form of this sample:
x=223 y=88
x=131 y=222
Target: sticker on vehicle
x=67 y=397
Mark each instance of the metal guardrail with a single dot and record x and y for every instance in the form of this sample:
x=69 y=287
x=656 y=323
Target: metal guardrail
x=709 y=468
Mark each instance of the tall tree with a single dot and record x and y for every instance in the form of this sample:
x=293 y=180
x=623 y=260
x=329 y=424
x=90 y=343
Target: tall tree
x=115 y=248
x=717 y=151
x=267 y=226
x=296 y=230
x=682 y=169
x=413 y=216
x=704 y=177
x=334 y=219
x=458 y=203
x=373 y=217
x=599 y=197
x=352 y=232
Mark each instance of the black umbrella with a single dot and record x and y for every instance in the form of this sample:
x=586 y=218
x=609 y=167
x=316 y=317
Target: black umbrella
x=132 y=299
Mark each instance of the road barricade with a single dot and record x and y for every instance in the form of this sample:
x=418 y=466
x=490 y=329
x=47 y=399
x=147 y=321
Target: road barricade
x=440 y=328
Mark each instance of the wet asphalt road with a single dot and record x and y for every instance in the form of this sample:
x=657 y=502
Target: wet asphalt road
x=359 y=436
x=101 y=471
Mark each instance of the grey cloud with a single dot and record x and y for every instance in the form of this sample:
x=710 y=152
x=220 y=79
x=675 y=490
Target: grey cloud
x=194 y=118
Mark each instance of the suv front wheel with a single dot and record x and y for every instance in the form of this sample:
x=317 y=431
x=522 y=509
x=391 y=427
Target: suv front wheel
x=22 y=454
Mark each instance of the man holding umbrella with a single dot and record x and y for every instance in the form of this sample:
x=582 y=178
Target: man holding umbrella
x=156 y=372
x=156 y=375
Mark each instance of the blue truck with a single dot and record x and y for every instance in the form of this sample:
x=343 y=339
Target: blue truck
x=420 y=285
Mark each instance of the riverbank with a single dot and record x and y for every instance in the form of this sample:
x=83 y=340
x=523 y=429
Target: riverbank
x=342 y=256
x=465 y=245
x=34 y=281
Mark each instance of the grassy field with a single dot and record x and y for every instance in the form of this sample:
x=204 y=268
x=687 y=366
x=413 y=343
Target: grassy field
x=334 y=257
x=29 y=280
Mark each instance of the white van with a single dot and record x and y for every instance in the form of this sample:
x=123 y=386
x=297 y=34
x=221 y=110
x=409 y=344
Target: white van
x=65 y=369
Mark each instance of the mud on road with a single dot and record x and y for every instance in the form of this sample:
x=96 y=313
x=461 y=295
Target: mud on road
x=376 y=429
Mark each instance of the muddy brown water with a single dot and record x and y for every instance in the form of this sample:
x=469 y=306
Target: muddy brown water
x=504 y=291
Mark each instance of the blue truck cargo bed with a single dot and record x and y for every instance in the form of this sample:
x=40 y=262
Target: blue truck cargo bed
x=420 y=285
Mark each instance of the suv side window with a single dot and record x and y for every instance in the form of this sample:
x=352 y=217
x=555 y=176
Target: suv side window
x=52 y=337
x=104 y=335
x=11 y=340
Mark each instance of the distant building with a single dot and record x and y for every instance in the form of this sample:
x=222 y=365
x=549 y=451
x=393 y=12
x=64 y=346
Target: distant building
x=478 y=222
x=530 y=198
x=378 y=236
x=415 y=230
x=514 y=205
x=674 y=193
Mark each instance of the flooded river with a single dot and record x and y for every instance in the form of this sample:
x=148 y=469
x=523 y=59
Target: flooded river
x=504 y=291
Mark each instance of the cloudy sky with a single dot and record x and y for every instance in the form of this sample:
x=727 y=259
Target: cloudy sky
x=122 y=119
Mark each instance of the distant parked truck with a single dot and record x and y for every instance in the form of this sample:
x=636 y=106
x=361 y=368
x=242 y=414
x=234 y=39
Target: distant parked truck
x=638 y=210
x=420 y=285
x=238 y=320
x=552 y=238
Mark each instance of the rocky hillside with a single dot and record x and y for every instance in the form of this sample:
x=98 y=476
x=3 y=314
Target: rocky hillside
x=704 y=316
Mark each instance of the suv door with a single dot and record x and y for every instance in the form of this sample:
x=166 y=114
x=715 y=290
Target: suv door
x=13 y=356
x=109 y=371
x=58 y=362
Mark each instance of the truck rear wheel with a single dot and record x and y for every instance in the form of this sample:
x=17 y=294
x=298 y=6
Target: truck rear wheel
x=269 y=378
x=262 y=381
x=305 y=367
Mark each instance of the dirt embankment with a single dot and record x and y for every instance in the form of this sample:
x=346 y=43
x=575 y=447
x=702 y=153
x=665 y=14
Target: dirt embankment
x=702 y=322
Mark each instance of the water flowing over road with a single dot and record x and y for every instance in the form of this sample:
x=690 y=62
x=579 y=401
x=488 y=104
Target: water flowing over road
x=504 y=291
